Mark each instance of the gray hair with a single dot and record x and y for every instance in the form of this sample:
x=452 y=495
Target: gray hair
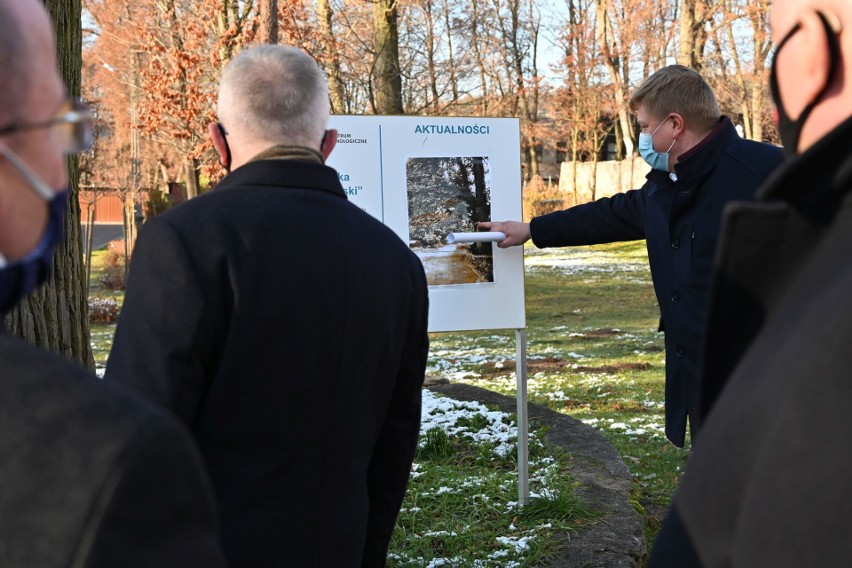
x=275 y=93
x=14 y=74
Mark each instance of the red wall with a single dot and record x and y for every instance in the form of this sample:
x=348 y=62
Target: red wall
x=108 y=207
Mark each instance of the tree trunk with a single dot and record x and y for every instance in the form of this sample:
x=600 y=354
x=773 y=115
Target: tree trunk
x=336 y=92
x=759 y=17
x=450 y=58
x=387 y=77
x=480 y=60
x=430 y=56
x=129 y=217
x=190 y=170
x=534 y=169
x=758 y=99
x=223 y=23
x=531 y=94
x=692 y=33
x=90 y=226
x=527 y=99
x=56 y=316
x=620 y=144
x=614 y=60
x=268 y=30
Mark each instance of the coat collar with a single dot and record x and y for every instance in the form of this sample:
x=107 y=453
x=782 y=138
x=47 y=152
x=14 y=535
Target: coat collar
x=696 y=162
x=290 y=152
x=699 y=161
x=285 y=174
x=816 y=181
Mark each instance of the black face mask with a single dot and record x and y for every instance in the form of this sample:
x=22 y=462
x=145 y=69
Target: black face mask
x=227 y=164
x=791 y=130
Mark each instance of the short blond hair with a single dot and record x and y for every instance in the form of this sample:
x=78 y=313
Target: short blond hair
x=682 y=90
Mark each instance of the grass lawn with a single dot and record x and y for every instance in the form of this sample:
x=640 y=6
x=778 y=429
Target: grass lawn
x=594 y=353
x=101 y=334
x=461 y=506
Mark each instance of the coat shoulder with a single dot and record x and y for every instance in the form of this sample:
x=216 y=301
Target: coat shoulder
x=69 y=433
x=756 y=158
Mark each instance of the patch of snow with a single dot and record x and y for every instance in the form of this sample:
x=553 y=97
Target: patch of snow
x=439 y=533
x=518 y=543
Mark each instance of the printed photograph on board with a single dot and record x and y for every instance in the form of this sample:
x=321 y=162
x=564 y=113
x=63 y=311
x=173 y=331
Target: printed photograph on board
x=449 y=195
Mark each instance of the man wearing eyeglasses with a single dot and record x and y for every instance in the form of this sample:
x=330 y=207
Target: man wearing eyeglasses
x=89 y=475
x=768 y=482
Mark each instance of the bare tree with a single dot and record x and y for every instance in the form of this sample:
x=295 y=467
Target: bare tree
x=694 y=16
x=474 y=57
x=387 y=79
x=451 y=61
x=331 y=59
x=615 y=49
x=517 y=26
x=431 y=56
x=267 y=31
x=745 y=84
x=180 y=47
x=583 y=93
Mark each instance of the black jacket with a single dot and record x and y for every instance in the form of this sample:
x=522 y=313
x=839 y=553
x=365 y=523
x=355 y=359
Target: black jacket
x=680 y=222
x=92 y=476
x=768 y=483
x=287 y=328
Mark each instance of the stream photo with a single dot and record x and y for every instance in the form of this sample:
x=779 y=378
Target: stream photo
x=448 y=195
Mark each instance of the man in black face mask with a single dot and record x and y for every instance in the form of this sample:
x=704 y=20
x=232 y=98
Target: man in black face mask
x=768 y=482
x=90 y=475
x=285 y=327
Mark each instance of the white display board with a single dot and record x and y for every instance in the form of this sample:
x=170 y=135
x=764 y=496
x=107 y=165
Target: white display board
x=427 y=177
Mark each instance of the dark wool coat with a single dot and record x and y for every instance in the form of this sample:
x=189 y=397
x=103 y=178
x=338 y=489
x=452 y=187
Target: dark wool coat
x=92 y=476
x=768 y=482
x=680 y=222
x=288 y=329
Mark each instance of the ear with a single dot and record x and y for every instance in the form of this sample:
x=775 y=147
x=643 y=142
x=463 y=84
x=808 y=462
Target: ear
x=219 y=143
x=329 y=141
x=678 y=124
x=808 y=59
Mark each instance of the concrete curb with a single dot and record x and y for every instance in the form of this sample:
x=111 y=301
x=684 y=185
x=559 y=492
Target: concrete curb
x=617 y=540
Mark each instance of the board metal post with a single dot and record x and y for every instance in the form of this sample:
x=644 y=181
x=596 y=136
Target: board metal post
x=523 y=422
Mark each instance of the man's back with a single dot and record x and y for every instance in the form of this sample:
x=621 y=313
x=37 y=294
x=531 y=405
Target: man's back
x=288 y=329
x=93 y=477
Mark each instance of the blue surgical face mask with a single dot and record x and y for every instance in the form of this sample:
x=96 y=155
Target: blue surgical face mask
x=20 y=277
x=657 y=160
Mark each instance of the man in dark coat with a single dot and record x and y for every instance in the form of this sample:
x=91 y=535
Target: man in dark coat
x=90 y=475
x=286 y=327
x=699 y=163
x=768 y=483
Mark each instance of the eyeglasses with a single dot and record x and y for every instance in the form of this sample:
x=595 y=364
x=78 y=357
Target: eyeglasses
x=72 y=128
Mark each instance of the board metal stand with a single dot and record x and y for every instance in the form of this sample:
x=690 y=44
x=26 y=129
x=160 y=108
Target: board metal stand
x=523 y=421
